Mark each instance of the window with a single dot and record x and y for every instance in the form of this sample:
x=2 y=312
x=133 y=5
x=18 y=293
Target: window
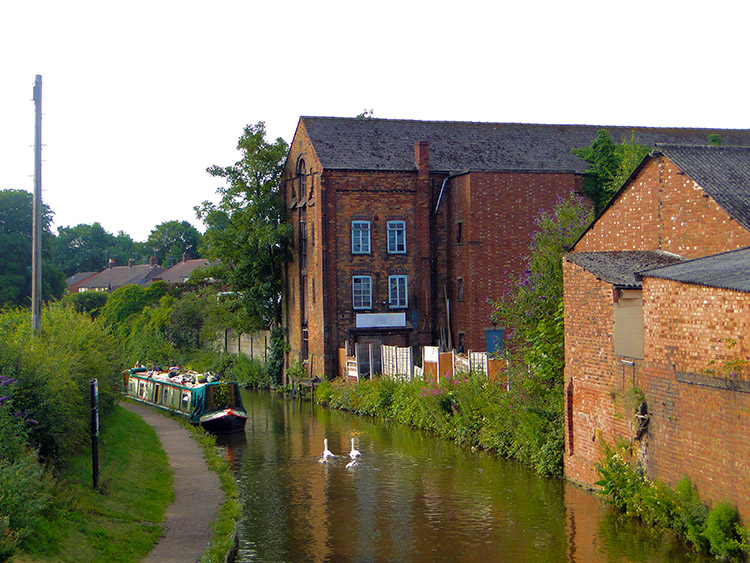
x=362 y=292
x=301 y=177
x=397 y=292
x=303 y=245
x=396 y=237
x=460 y=289
x=360 y=237
x=459 y=232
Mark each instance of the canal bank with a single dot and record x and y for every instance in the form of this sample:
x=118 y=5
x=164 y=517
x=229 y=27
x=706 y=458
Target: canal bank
x=197 y=490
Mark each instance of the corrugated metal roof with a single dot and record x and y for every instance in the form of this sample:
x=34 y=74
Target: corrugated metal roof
x=722 y=171
x=728 y=270
x=620 y=268
x=388 y=144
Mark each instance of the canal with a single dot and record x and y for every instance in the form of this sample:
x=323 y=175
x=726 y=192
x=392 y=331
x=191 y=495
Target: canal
x=411 y=497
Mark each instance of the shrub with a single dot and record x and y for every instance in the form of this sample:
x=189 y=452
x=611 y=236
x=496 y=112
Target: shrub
x=721 y=532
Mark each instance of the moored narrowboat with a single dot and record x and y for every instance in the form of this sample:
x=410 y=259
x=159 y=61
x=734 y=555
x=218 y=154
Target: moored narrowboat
x=202 y=398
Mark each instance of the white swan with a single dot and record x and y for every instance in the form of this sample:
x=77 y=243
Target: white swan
x=354 y=454
x=352 y=463
x=326 y=452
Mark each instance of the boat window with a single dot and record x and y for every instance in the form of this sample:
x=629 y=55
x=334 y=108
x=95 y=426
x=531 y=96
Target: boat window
x=185 y=401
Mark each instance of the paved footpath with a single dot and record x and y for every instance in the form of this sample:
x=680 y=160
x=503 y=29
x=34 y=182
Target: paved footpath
x=197 y=491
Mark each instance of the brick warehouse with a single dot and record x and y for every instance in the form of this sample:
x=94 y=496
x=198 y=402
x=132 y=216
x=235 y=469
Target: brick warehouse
x=403 y=229
x=657 y=325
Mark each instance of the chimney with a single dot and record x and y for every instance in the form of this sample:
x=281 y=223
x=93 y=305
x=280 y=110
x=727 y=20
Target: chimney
x=152 y=261
x=131 y=263
x=110 y=263
x=184 y=256
x=422 y=157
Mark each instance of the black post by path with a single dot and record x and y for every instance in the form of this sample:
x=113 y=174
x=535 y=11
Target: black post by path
x=95 y=430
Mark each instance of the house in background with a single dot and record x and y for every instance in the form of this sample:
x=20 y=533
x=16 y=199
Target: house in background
x=657 y=325
x=181 y=272
x=404 y=229
x=115 y=277
x=74 y=281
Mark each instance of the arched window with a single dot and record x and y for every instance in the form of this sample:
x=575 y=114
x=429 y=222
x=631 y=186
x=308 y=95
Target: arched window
x=301 y=177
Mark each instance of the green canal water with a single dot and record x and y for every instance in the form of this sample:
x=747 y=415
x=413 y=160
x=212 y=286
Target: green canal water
x=411 y=497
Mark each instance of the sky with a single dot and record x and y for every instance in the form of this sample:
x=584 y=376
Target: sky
x=140 y=97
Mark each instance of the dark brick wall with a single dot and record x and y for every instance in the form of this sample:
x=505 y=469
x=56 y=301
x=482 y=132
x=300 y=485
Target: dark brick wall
x=696 y=427
x=700 y=426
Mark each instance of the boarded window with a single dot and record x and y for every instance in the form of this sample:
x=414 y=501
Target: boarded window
x=629 y=323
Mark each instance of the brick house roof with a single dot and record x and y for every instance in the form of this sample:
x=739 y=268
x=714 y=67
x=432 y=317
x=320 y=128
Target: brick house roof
x=728 y=270
x=620 y=268
x=388 y=144
x=180 y=272
x=117 y=276
x=722 y=171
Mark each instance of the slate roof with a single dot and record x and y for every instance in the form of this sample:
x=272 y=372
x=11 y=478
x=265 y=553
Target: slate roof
x=728 y=270
x=388 y=144
x=620 y=268
x=117 y=276
x=180 y=272
x=722 y=171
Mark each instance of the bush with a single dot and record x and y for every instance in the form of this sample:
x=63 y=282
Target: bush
x=53 y=373
x=721 y=532
x=471 y=411
x=718 y=531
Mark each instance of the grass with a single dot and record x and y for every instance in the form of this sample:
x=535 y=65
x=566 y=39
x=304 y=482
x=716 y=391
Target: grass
x=121 y=520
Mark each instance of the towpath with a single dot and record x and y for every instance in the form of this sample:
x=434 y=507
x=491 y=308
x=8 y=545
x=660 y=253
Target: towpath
x=197 y=491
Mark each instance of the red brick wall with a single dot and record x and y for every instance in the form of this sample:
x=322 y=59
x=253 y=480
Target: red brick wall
x=596 y=380
x=697 y=428
x=664 y=210
x=498 y=211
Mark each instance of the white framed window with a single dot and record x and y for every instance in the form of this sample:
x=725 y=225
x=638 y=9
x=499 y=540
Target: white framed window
x=360 y=237
x=396 y=237
x=397 y=292
x=362 y=292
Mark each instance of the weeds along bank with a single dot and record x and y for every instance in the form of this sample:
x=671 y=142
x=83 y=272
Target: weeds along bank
x=45 y=408
x=518 y=424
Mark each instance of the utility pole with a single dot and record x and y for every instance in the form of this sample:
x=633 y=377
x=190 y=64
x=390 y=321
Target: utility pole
x=36 y=258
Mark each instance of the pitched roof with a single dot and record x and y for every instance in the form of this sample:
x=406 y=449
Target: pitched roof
x=117 y=276
x=728 y=270
x=388 y=144
x=722 y=171
x=180 y=272
x=620 y=268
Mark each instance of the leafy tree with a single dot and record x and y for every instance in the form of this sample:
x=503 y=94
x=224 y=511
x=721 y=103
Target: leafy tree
x=16 y=211
x=609 y=166
x=170 y=240
x=89 y=302
x=532 y=306
x=130 y=300
x=88 y=248
x=247 y=230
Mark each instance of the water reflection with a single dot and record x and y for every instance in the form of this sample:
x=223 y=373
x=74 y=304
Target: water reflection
x=411 y=497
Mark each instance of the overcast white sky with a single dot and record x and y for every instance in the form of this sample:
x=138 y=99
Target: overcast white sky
x=139 y=97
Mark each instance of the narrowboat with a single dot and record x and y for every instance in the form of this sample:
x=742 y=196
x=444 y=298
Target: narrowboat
x=202 y=398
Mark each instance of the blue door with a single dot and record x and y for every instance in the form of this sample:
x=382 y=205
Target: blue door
x=493 y=340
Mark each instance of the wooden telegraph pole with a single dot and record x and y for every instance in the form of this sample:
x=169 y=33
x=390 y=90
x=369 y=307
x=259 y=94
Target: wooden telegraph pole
x=36 y=258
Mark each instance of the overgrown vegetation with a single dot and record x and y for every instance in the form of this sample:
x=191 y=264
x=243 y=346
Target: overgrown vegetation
x=471 y=411
x=44 y=409
x=610 y=165
x=716 y=530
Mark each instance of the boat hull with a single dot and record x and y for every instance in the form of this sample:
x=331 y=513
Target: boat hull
x=224 y=422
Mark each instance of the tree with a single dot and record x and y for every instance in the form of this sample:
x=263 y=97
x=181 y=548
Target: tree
x=171 y=240
x=247 y=230
x=532 y=307
x=88 y=248
x=16 y=211
x=609 y=166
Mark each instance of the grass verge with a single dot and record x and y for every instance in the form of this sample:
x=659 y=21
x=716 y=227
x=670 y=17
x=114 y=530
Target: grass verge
x=121 y=520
